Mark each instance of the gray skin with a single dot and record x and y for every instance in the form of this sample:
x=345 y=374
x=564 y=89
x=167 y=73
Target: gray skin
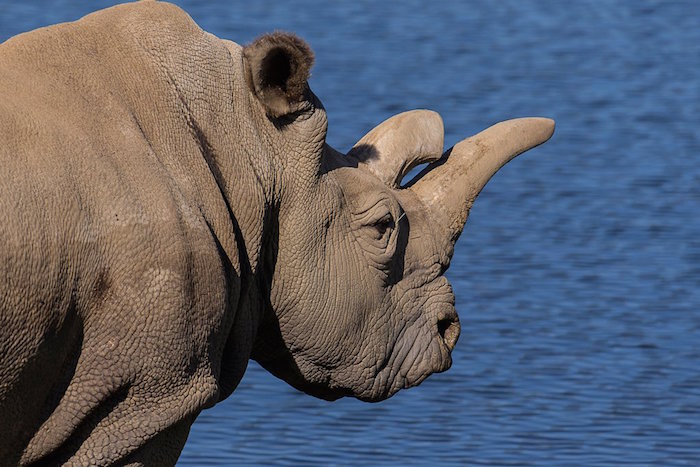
x=169 y=209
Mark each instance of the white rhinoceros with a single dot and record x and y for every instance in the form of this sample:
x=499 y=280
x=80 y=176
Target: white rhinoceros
x=169 y=209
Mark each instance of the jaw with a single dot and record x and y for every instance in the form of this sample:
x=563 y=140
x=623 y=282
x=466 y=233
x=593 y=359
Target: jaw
x=395 y=345
x=421 y=348
x=423 y=345
x=417 y=364
x=415 y=356
x=285 y=368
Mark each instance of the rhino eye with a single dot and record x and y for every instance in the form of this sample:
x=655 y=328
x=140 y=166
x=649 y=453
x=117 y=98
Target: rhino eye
x=375 y=233
x=385 y=224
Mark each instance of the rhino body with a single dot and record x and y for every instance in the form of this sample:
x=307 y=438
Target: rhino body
x=169 y=209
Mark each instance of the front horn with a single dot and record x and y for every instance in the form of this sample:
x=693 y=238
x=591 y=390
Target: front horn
x=449 y=186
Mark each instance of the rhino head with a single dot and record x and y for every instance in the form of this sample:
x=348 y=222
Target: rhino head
x=358 y=301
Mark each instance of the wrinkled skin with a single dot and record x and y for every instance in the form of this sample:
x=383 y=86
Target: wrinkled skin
x=169 y=209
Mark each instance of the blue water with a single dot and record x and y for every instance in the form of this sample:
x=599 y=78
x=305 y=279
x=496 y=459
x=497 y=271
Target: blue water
x=578 y=276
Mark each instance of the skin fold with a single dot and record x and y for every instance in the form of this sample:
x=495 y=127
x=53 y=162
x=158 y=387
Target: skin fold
x=169 y=209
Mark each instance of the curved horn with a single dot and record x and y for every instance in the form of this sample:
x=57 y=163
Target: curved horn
x=449 y=186
x=400 y=143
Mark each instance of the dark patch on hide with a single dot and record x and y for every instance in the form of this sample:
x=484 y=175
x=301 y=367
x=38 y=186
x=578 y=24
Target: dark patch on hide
x=363 y=153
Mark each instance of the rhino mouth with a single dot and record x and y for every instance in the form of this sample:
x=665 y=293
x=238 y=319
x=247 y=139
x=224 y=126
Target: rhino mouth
x=421 y=349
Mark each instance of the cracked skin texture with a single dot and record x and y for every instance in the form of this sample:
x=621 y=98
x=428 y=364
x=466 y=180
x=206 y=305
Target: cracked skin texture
x=169 y=209
x=120 y=257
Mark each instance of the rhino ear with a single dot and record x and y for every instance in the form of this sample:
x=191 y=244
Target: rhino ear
x=278 y=69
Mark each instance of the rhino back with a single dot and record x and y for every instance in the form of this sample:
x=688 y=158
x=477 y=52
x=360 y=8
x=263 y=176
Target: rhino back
x=118 y=252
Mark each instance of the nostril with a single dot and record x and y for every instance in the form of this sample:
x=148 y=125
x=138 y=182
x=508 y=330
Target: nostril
x=449 y=328
x=442 y=325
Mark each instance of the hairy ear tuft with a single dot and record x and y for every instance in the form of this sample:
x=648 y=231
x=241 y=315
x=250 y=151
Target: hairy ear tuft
x=278 y=69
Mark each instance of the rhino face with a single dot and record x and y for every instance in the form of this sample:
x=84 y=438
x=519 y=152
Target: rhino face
x=358 y=302
x=362 y=303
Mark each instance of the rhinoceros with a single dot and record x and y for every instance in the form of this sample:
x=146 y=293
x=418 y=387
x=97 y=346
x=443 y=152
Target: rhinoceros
x=170 y=209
